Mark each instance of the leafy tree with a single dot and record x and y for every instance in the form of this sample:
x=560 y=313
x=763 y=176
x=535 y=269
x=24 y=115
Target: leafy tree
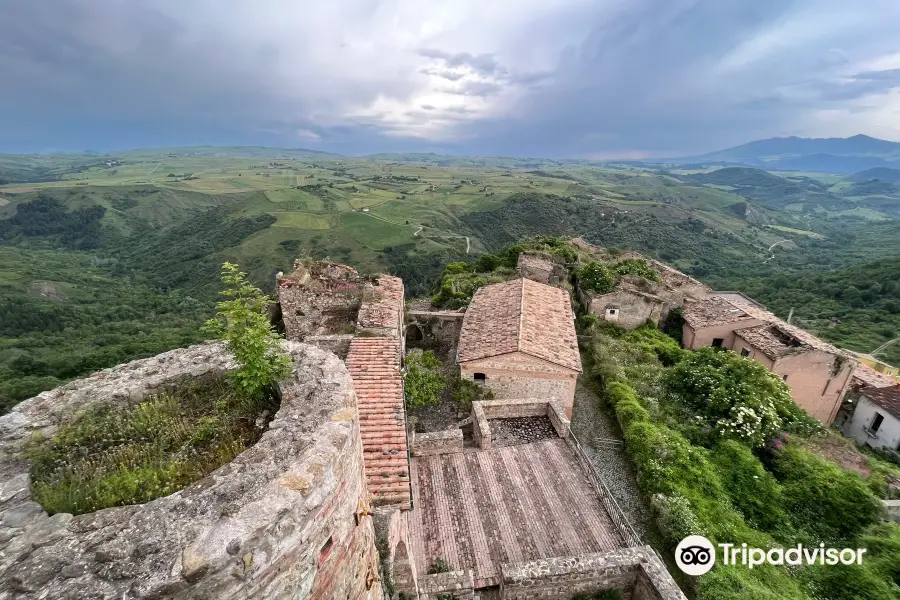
x=596 y=276
x=242 y=323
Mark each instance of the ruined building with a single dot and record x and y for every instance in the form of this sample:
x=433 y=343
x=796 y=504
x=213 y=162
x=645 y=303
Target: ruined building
x=532 y=520
x=636 y=300
x=818 y=374
x=287 y=518
x=297 y=515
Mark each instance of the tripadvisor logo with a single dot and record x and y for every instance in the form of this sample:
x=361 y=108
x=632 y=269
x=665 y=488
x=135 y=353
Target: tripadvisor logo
x=696 y=555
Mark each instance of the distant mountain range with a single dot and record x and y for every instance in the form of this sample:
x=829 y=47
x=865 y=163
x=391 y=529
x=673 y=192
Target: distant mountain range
x=826 y=155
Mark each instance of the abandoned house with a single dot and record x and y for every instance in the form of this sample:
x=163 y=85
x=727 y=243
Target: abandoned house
x=817 y=373
x=636 y=300
x=876 y=419
x=518 y=340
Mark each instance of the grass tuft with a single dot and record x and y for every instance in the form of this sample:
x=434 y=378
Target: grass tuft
x=119 y=455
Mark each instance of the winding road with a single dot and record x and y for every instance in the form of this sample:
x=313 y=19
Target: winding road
x=770 y=250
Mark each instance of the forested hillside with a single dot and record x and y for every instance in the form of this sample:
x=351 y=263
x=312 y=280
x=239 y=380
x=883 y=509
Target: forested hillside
x=100 y=264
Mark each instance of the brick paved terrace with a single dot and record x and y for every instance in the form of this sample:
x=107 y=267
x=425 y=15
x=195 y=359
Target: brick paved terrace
x=480 y=509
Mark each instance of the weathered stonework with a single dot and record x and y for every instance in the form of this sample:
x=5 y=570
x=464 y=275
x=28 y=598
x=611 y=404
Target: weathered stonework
x=438 y=442
x=485 y=410
x=637 y=573
x=279 y=521
x=891 y=510
x=321 y=298
x=436 y=330
x=453 y=584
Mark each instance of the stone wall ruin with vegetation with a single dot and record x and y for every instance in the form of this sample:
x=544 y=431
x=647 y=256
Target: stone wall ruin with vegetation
x=280 y=520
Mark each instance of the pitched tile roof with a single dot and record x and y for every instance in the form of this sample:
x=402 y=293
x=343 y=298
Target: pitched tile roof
x=374 y=365
x=864 y=375
x=721 y=310
x=520 y=315
x=887 y=398
x=712 y=312
x=385 y=309
x=771 y=341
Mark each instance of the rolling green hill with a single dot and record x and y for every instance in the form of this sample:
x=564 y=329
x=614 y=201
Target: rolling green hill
x=117 y=257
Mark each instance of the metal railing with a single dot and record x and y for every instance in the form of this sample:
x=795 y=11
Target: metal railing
x=609 y=443
x=629 y=535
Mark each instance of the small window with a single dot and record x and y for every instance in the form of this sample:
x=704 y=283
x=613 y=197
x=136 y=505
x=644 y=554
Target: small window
x=612 y=311
x=745 y=351
x=876 y=422
x=784 y=377
x=717 y=342
x=480 y=378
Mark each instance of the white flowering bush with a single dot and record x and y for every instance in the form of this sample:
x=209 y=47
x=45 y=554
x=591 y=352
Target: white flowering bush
x=734 y=397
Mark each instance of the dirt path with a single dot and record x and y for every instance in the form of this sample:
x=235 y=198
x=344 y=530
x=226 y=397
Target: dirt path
x=418 y=230
x=771 y=248
x=467 y=244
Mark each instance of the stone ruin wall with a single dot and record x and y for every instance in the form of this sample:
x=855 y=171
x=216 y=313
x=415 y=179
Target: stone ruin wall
x=637 y=573
x=320 y=299
x=277 y=522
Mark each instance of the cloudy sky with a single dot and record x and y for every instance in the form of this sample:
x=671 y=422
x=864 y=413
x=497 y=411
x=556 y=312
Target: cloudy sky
x=554 y=78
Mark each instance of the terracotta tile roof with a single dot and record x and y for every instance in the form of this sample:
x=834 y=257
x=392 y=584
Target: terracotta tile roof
x=712 y=312
x=887 y=398
x=772 y=341
x=386 y=308
x=720 y=310
x=520 y=315
x=374 y=365
x=866 y=376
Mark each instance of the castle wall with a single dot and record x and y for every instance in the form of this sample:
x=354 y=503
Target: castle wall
x=277 y=522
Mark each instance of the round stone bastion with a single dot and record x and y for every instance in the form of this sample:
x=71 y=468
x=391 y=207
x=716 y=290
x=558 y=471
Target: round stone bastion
x=285 y=519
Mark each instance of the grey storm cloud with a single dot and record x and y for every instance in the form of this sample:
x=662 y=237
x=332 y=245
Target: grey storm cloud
x=482 y=63
x=523 y=77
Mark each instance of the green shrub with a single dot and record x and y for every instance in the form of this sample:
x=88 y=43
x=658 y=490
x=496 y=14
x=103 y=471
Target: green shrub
x=118 y=455
x=243 y=323
x=465 y=392
x=440 y=565
x=626 y=404
x=736 y=398
x=740 y=583
x=596 y=277
x=752 y=489
x=636 y=267
x=423 y=382
x=828 y=502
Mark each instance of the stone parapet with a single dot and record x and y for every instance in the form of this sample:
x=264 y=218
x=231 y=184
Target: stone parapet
x=438 y=442
x=637 y=573
x=481 y=428
x=485 y=410
x=284 y=519
x=453 y=584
